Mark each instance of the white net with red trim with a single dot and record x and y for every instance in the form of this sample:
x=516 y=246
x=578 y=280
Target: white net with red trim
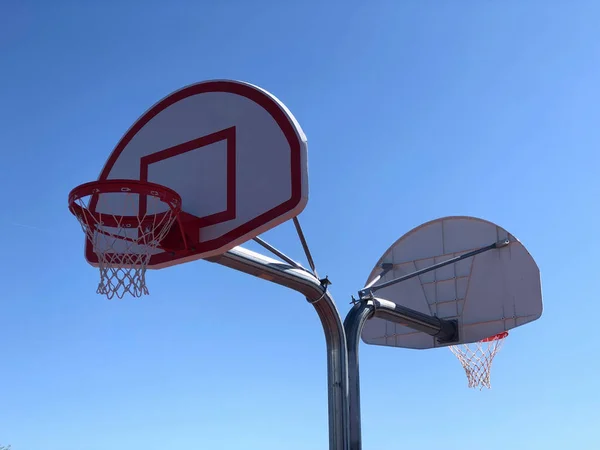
x=476 y=358
x=123 y=243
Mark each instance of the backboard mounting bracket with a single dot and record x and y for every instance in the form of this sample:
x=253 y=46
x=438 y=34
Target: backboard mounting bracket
x=371 y=288
x=278 y=253
x=307 y=253
x=444 y=330
x=325 y=283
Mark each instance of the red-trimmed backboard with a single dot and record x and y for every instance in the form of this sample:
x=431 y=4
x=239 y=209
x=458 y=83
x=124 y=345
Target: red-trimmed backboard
x=232 y=151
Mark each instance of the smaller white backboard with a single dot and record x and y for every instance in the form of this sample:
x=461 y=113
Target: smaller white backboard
x=487 y=294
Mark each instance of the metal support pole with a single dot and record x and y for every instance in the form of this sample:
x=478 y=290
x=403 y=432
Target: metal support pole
x=444 y=330
x=354 y=322
x=316 y=293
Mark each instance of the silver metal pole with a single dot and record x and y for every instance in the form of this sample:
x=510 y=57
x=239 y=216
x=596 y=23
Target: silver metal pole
x=353 y=324
x=316 y=293
x=444 y=330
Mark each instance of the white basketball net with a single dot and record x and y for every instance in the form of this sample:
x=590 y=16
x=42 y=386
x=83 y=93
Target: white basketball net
x=123 y=249
x=476 y=359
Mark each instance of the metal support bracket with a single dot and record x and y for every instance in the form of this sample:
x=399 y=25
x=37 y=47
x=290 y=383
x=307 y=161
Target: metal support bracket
x=371 y=288
x=325 y=283
x=442 y=329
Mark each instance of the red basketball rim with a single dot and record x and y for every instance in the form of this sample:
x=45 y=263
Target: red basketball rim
x=496 y=337
x=94 y=188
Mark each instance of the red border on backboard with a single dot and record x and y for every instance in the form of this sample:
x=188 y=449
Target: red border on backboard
x=259 y=97
x=228 y=135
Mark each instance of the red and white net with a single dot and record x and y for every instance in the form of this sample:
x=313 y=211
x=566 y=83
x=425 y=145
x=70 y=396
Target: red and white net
x=124 y=243
x=476 y=358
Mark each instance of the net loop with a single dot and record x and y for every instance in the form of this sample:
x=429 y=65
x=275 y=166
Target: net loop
x=138 y=217
x=476 y=358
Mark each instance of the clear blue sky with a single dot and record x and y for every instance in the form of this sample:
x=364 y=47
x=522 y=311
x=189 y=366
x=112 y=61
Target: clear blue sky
x=413 y=110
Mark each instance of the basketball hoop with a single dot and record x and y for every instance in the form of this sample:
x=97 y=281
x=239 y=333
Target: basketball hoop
x=476 y=359
x=141 y=216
